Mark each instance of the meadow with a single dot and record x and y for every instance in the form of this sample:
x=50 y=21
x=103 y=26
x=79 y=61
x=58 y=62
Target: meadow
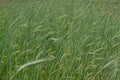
x=59 y=40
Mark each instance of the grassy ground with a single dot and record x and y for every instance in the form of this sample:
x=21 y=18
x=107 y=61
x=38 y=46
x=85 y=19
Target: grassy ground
x=60 y=40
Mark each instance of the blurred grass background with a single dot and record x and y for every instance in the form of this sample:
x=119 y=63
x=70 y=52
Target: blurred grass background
x=83 y=36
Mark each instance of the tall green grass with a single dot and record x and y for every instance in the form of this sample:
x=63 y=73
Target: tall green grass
x=60 y=40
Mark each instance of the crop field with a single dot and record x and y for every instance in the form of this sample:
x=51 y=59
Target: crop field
x=59 y=40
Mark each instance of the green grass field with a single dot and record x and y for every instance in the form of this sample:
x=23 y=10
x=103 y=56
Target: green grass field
x=60 y=40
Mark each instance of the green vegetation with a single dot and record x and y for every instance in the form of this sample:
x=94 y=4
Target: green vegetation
x=60 y=40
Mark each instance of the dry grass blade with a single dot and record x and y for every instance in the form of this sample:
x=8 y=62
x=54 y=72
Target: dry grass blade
x=14 y=22
x=106 y=65
x=34 y=62
x=31 y=63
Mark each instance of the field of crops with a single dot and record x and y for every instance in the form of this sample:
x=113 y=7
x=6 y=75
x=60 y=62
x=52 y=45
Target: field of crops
x=59 y=40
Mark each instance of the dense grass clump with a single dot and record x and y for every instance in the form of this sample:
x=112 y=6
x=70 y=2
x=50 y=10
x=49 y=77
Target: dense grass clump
x=59 y=40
